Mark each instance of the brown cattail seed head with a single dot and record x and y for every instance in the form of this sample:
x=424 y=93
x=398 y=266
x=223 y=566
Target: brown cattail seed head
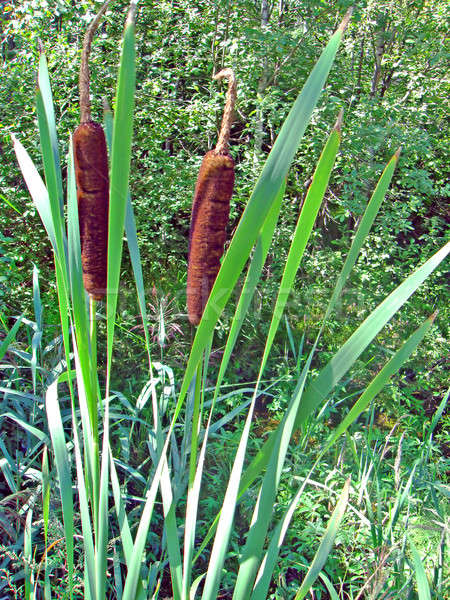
x=210 y=211
x=91 y=173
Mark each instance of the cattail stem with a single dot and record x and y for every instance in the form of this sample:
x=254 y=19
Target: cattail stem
x=93 y=340
x=84 y=80
x=93 y=416
x=228 y=113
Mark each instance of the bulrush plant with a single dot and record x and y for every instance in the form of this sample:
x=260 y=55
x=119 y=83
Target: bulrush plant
x=117 y=561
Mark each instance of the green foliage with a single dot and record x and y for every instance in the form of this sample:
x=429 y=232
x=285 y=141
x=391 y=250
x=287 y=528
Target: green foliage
x=383 y=80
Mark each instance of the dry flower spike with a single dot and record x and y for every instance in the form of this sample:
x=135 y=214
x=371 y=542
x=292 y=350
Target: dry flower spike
x=92 y=180
x=210 y=211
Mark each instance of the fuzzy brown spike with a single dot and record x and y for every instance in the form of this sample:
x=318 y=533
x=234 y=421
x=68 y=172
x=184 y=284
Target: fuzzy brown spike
x=92 y=181
x=210 y=212
x=91 y=174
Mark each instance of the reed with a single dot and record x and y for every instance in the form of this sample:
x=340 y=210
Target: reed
x=117 y=561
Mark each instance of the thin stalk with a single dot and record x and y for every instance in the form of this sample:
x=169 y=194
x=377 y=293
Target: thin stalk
x=93 y=413
x=199 y=396
x=195 y=471
x=195 y=420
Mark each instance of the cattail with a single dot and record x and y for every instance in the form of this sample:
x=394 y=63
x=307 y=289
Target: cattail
x=210 y=211
x=91 y=174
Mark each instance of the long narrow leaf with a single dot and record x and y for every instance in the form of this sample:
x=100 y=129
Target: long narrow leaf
x=130 y=230
x=361 y=233
x=44 y=88
x=62 y=461
x=381 y=379
x=248 y=289
x=50 y=154
x=10 y=336
x=423 y=587
x=262 y=514
x=325 y=545
x=27 y=554
x=80 y=315
x=120 y=171
x=329 y=376
x=263 y=510
x=37 y=190
x=132 y=241
x=86 y=525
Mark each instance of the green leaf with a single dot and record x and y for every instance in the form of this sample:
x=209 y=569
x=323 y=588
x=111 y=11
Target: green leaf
x=40 y=435
x=50 y=153
x=251 y=281
x=342 y=361
x=37 y=190
x=62 y=461
x=45 y=92
x=27 y=554
x=132 y=241
x=363 y=229
x=325 y=545
x=329 y=586
x=10 y=336
x=423 y=587
x=381 y=379
x=86 y=526
x=263 y=510
x=120 y=171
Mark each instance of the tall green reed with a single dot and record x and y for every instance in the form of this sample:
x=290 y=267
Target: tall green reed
x=96 y=478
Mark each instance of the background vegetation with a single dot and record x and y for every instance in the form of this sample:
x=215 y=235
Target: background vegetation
x=390 y=78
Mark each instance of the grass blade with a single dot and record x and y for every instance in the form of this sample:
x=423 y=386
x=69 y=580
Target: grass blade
x=102 y=517
x=329 y=376
x=364 y=227
x=303 y=230
x=120 y=171
x=132 y=241
x=130 y=230
x=263 y=511
x=380 y=380
x=329 y=586
x=38 y=192
x=81 y=321
x=45 y=92
x=45 y=519
x=10 y=336
x=28 y=557
x=49 y=148
x=86 y=526
x=62 y=461
x=423 y=587
x=264 y=507
x=352 y=349
x=326 y=544
x=33 y=430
